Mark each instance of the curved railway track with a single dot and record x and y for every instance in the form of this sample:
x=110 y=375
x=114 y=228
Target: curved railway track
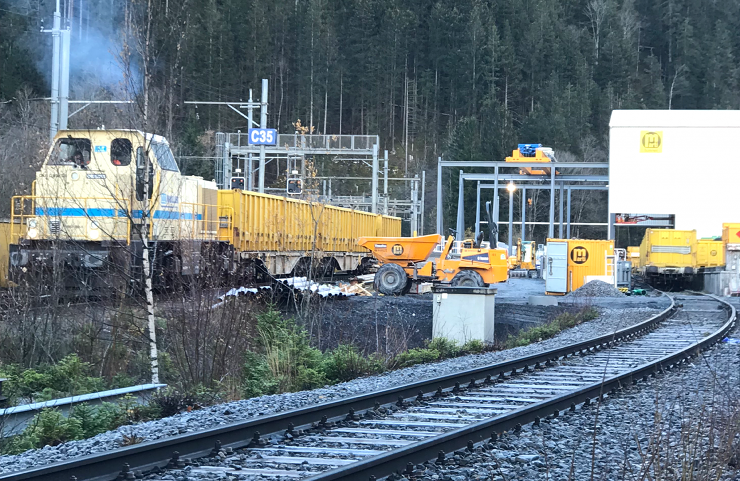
x=373 y=435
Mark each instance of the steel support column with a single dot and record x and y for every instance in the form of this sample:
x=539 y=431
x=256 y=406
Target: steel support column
x=551 y=230
x=263 y=125
x=460 y=234
x=423 y=202
x=374 y=187
x=612 y=220
x=511 y=221
x=560 y=217
x=524 y=209
x=440 y=227
x=569 y=197
x=477 y=210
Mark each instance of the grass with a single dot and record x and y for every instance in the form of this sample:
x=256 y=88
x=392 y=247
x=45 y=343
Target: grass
x=563 y=321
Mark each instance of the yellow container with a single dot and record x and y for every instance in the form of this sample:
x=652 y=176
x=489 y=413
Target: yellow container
x=586 y=257
x=710 y=253
x=731 y=233
x=5 y=241
x=668 y=248
x=264 y=223
x=633 y=255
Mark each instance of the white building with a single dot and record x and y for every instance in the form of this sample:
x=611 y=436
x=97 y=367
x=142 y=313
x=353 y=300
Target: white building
x=684 y=163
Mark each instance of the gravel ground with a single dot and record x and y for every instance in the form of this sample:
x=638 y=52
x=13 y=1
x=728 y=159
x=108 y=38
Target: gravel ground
x=645 y=432
x=609 y=321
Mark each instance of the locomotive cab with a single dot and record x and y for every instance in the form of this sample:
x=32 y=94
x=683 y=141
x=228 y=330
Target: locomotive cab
x=96 y=196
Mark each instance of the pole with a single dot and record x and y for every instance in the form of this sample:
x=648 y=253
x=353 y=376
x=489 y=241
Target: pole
x=440 y=226
x=250 y=166
x=460 y=234
x=415 y=206
x=551 y=230
x=376 y=168
x=560 y=217
x=568 y=231
x=495 y=205
x=385 y=182
x=263 y=125
x=423 y=202
x=64 y=80
x=524 y=211
x=612 y=220
x=55 y=71
x=477 y=210
x=511 y=222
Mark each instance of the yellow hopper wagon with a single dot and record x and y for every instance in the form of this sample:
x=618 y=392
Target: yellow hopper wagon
x=405 y=261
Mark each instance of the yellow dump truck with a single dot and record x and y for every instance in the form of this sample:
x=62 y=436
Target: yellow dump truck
x=405 y=261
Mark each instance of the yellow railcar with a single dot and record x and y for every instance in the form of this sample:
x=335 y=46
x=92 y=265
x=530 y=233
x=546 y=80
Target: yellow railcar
x=668 y=256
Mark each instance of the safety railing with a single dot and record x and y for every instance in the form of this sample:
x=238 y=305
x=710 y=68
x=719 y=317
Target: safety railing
x=69 y=218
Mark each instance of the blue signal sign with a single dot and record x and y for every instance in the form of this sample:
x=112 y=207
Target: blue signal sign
x=262 y=137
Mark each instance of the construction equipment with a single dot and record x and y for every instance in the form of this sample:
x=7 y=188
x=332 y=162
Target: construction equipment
x=533 y=153
x=524 y=262
x=405 y=263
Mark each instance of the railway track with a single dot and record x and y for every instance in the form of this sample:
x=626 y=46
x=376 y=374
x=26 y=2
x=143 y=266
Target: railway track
x=394 y=430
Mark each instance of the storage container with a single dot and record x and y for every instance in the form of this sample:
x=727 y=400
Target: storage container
x=668 y=248
x=583 y=257
x=710 y=253
x=731 y=233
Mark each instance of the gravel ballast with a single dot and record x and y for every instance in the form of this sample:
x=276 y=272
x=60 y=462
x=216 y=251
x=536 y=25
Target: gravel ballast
x=650 y=428
x=596 y=289
x=609 y=321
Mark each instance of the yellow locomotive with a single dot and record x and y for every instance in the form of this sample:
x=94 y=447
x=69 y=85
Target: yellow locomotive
x=101 y=193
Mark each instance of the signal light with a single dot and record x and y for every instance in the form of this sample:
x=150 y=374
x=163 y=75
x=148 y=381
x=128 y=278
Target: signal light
x=295 y=186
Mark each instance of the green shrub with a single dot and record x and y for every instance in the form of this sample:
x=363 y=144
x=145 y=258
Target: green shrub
x=345 y=363
x=563 y=321
x=284 y=349
x=446 y=348
x=415 y=356
x=69 y=377
x=473 y=346
x=257 y=379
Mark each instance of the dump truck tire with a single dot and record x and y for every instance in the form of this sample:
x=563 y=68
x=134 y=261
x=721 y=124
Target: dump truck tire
x=390 y=280
x=467 y=279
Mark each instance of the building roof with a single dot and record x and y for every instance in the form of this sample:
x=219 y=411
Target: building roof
x=675 y=118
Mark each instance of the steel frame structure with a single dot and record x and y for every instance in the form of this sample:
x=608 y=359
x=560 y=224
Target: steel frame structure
x=557 y=180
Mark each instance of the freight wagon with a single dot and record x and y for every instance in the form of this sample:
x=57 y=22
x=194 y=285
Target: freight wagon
x=668 y=256
x=102 y=194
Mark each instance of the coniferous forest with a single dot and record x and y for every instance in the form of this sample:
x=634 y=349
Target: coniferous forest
x=464 y=79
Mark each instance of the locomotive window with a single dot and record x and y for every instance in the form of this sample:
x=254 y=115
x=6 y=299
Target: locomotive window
x=71 y=151
x=120 y=152
x=164 y=156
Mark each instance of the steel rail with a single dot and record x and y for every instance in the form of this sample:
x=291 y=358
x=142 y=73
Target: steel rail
x=417 y=453
x=157 y=453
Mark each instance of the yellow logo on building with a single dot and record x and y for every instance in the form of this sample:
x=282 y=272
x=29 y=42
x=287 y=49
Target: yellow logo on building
x=651 y=141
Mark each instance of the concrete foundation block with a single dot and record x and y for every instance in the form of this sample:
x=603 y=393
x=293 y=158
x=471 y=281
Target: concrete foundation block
x=462 y=314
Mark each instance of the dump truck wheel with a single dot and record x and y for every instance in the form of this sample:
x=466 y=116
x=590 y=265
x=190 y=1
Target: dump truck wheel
x=467 y=279
x=390 y=280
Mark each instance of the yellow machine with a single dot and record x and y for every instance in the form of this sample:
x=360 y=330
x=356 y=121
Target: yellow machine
x=524 y=258
x=532 y=153
x=407 y=260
